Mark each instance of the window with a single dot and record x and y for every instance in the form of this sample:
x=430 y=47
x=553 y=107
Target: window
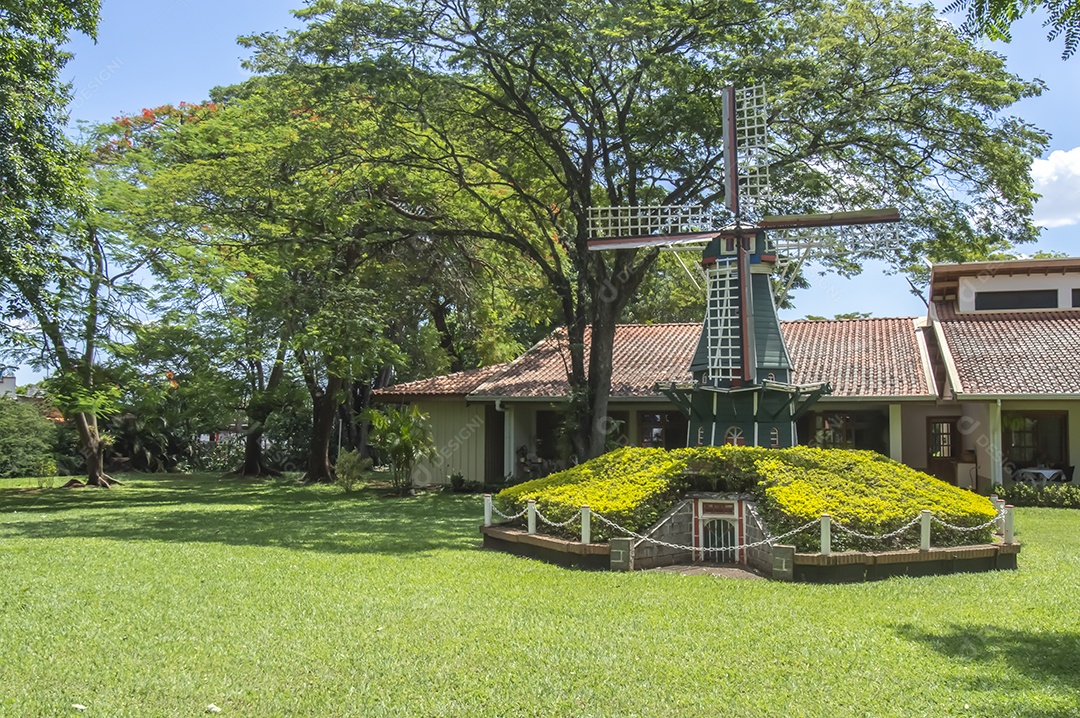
x=1076 y=298
x=847 y=430
x=734 y=436
x=1035 y=438
x=663 y=430
x=774 y=438
x=943 y=440
x=1027 y=299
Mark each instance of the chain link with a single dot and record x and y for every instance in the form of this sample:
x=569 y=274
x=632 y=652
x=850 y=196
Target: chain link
x=549 y=522
x=680 y=547
x=882 y=537
x=970 y=529
x=508 y=518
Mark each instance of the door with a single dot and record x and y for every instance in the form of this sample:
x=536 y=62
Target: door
x=719 y=540
x=942 y=447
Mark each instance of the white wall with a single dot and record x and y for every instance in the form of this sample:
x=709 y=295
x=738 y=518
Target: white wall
x=1064 y=283
x=458 y=430
x=7 y=385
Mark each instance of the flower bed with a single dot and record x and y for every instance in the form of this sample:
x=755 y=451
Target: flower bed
x=862 y=490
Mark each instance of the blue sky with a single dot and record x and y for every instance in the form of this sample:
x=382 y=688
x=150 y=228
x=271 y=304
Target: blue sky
x=149 y=54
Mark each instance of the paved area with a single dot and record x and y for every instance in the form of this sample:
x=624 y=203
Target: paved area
x=719 y=570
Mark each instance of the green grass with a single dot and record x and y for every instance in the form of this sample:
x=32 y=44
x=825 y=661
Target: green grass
x=270 y=599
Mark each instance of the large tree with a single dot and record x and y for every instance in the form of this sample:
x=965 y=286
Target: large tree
x=266 y=195
x=541 y=111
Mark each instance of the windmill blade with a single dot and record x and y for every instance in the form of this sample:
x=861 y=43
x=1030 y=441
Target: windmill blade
x=664 y=242
x=833 y=219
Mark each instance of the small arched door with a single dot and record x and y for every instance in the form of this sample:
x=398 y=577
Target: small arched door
x=719 y=541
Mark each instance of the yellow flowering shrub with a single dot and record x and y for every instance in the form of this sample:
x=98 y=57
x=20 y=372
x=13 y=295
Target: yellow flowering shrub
x=860 y=489
x=864 y=491
x=632 y=486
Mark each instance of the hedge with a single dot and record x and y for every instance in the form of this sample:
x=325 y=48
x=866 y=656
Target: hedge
x=860 y=489
x=1053 y=496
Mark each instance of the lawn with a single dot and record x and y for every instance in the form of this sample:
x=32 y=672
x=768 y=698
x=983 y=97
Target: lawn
x=169 y=594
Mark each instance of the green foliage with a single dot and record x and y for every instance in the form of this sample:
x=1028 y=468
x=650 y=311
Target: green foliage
x=994 y=19
x=860 y=489
x=39 y=169
x=631 y=486
x=1063 y=496
x=27 y=439
x=402 y=437
x=866 y=492
x=350 y=470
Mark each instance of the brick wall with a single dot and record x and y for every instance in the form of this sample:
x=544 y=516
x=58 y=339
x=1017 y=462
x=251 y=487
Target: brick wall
x=676 y=526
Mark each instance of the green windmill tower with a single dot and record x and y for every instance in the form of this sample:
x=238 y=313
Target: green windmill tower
x=742 y=390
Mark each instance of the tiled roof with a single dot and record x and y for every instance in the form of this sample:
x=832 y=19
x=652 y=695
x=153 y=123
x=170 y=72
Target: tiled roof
x=642 y=356
x=1017 y=353
x=457 y=384
x=859 y=357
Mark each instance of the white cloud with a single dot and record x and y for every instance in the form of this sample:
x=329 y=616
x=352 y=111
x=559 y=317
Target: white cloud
x=1057 y=179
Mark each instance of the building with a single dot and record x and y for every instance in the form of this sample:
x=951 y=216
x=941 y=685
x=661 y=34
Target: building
x=7 y=386
x=986 y=383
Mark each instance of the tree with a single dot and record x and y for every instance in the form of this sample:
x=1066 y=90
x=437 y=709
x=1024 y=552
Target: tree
x=253 y=200
x=73 y=300
x=39 y=168
x=994 y=19
x=541 y=111
x=26 y=440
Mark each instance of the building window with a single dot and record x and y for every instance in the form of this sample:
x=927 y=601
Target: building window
x=1076 y=297
x=1035 y=438
x=774 y=438
x=734 y=436
x=847 y=430
x=662 y=429
x=943 y=440
x=1027 y=299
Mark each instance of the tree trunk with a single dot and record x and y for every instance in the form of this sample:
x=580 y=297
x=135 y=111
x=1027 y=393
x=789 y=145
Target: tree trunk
x=255 y=464
x=324 y=404
x=93 y=451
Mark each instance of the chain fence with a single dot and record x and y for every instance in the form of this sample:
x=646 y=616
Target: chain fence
x=769 y=539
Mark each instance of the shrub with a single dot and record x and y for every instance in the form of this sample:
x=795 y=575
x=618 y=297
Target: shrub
x=866 y=492
x=1053 y=496
x=350 y=469
x=632 y=487
x=27 y=439
x=402 y=437
x=860 y=489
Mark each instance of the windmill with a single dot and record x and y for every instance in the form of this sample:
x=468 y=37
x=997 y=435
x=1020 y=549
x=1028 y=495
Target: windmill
x=742 y=390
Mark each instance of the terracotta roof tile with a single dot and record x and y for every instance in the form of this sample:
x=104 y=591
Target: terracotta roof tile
x=1013 y=352
x=859 y=357
x=456 y=384
x=642 y=356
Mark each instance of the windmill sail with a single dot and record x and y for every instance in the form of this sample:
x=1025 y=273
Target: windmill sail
x=742 y=390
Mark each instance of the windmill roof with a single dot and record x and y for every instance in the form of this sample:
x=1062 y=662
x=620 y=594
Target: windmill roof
x=861 y=358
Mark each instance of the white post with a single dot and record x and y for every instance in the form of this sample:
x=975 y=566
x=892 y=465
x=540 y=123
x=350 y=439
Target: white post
x=586 y=524
x=924 y=539
x=1009 y=532
x=487 y=509
x=532 y=516
x=826 y=535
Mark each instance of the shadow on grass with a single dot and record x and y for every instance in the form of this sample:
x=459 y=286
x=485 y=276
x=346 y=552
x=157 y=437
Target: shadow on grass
x=1046 y=661
x=238 y=512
